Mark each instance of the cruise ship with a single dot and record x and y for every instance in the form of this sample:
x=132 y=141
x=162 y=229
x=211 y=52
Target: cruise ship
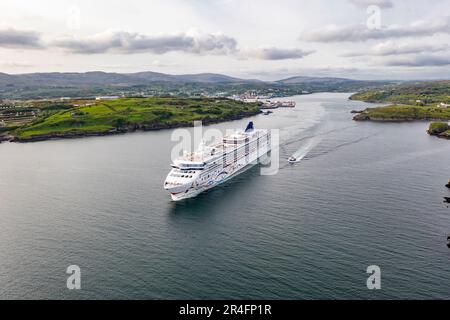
x=209 y=166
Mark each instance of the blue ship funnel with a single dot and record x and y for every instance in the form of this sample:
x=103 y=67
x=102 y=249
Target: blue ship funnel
x=249 y=127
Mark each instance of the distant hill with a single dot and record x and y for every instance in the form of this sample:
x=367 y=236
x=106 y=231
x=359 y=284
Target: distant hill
x=5 y=78
x=88 y=84
x=303 y=79
x=104 y=78
x=209 y=78
x=199 y=78
x=140 y=78
x=412 y=93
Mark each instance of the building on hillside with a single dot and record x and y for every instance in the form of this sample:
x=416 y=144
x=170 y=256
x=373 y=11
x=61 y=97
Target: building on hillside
x=107 y=98
x=443 y=105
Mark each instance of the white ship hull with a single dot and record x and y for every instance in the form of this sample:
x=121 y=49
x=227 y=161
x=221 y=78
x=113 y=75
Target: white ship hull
x=204 y=170
x=195 y=191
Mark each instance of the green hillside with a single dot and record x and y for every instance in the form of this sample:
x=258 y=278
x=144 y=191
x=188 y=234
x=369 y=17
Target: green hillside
x=129 y=114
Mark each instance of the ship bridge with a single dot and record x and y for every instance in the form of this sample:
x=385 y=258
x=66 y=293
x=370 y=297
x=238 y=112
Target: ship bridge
x=188 y=165
x=235 y=139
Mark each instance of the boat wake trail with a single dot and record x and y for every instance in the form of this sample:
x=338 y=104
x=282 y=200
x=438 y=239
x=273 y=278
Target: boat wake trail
x=314 y=148
x=304 y=150
x=337 y=147
x=294 y=140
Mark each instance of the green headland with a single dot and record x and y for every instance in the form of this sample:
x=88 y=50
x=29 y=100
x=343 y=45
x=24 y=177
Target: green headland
x=76 y=118
x=407 y=102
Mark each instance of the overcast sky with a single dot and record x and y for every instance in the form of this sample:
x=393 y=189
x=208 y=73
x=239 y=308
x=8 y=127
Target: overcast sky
x=362 y=39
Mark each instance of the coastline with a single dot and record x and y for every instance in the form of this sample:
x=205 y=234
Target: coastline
x=401 y=105
x=397 y=113
x=375 y=119
x=7 y=137
x=400 y=113
x=439 y=129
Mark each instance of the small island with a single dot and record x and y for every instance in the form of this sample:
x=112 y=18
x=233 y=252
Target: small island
x=439 y=129
x=67 y=118
x=403 y=113
x=428 y=101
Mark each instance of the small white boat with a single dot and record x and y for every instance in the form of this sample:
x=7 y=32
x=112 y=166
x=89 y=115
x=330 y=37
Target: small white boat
x=293 y=160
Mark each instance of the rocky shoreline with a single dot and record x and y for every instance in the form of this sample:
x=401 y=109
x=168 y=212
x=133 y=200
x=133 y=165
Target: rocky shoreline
x=442 y=135
x=365 y=116
x=5 y=137
x=439 y=129
x=122 y=130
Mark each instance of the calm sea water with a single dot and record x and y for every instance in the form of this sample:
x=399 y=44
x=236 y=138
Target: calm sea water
x=364 y=193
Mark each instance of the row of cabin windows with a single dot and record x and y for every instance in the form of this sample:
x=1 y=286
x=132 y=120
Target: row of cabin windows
x=181 y=175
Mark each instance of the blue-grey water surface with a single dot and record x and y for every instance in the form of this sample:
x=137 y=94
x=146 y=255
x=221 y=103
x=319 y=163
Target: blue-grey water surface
x=364 y=194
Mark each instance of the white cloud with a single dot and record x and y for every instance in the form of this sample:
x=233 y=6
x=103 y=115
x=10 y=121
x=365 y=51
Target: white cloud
x=273 y=53
x=418 y=61
x=12 y=38
x=359 y=33
x=127 y=43
x=158 y=63
x=380 y=3
x=391 y=48
x=193 y=41
x=13 y=64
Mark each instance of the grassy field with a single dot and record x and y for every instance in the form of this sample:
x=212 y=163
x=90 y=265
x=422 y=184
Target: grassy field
x=404 y=113
x=429 y=93
x=129 y=114
x=411 y=101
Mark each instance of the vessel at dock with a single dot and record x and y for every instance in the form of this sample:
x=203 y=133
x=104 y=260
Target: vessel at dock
x=278 y=104
x=211 y=165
